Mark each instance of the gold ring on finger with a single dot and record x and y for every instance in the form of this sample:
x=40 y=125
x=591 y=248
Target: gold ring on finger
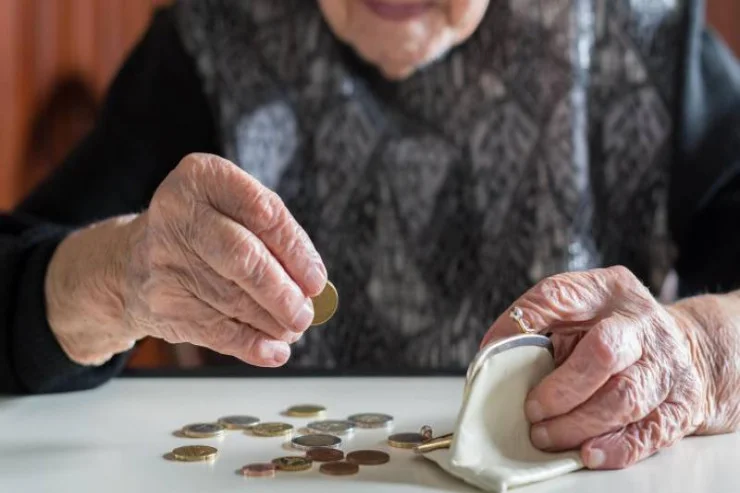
x=517 y=314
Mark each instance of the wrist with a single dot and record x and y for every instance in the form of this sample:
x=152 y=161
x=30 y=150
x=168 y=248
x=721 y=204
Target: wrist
x=84 y=289
x=712 y=328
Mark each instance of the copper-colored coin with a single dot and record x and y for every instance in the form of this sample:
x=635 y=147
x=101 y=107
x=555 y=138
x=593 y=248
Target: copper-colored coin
x=339 y=468
x=368 y=457
x=259 y=470
x=324 y=454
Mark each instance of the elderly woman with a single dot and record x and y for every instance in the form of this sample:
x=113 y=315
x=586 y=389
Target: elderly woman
x=440 y=161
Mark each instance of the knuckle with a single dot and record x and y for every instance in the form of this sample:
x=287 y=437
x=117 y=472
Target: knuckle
x=254 y=267
x=624 y=394
x=225 y=336
x=560 y=292
x=621 y=273
x=286 y=303
x=264 y=210
x=242 y=306
x=603 y=349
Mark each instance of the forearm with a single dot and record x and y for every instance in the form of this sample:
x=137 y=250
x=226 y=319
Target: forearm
x=85 y=293
x=714 y=322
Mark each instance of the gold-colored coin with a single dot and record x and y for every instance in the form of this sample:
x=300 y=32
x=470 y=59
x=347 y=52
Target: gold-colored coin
x=194 y=453
x=405 y=440
x=272 y=429
x=306 y=411
x=292 y=463
x=325 y=304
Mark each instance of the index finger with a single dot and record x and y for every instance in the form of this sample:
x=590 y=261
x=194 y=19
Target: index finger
x=558 y=303
x=244 y=199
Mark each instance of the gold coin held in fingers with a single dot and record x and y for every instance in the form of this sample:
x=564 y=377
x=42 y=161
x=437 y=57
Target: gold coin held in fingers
x=306 y=411
x=194 y=453
x=272 y=429
x=292 y=463
x=325 y=304
x=203 y=430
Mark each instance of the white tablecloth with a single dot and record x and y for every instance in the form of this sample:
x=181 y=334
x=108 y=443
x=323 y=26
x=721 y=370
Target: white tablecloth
x=113 y=440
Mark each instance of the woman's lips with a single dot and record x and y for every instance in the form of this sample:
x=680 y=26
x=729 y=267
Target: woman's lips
x=397 y=11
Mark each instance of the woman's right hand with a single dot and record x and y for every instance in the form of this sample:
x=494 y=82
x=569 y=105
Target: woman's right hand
x=217 y=261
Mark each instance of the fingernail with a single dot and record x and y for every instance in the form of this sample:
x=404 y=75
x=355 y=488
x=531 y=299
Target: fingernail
x=534 y=411
x=303 y=319
x=540 y=437
x=277 y=352
x=594 y=458
x=316 y=279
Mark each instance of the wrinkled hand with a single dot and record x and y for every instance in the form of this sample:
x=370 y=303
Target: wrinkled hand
x=218 y=261
x=630 y=378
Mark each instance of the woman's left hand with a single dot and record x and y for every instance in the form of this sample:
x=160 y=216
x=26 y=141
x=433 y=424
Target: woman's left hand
x=630 y=377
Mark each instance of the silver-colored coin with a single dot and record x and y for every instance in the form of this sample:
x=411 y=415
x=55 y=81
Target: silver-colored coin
x=334 y=427
x=238 y=422
x=203 y=430
x=307 y=442
x=371 y=420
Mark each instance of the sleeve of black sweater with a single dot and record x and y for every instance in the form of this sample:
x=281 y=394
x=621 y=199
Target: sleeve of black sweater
x=705 y=190
x=154 y=114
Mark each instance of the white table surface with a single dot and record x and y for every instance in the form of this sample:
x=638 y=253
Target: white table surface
x=113 y=440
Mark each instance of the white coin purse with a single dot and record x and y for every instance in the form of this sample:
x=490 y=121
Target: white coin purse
x=491 y=448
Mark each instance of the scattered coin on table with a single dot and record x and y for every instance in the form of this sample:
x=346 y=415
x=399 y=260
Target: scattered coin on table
x=238 y=422
x=194 y=453
x=306 y=411
x=273 y=429
x=259 y=470
x=332 y=427
x=368 y=457
x=371 y=420
x=307 y=442
x=405 y=440
x=292 y=463
x=203 y=430
x=339 y=468
x=323 y=454
x=325 y=304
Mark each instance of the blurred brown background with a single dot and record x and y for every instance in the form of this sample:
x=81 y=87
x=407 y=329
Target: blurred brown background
x=57 y=58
